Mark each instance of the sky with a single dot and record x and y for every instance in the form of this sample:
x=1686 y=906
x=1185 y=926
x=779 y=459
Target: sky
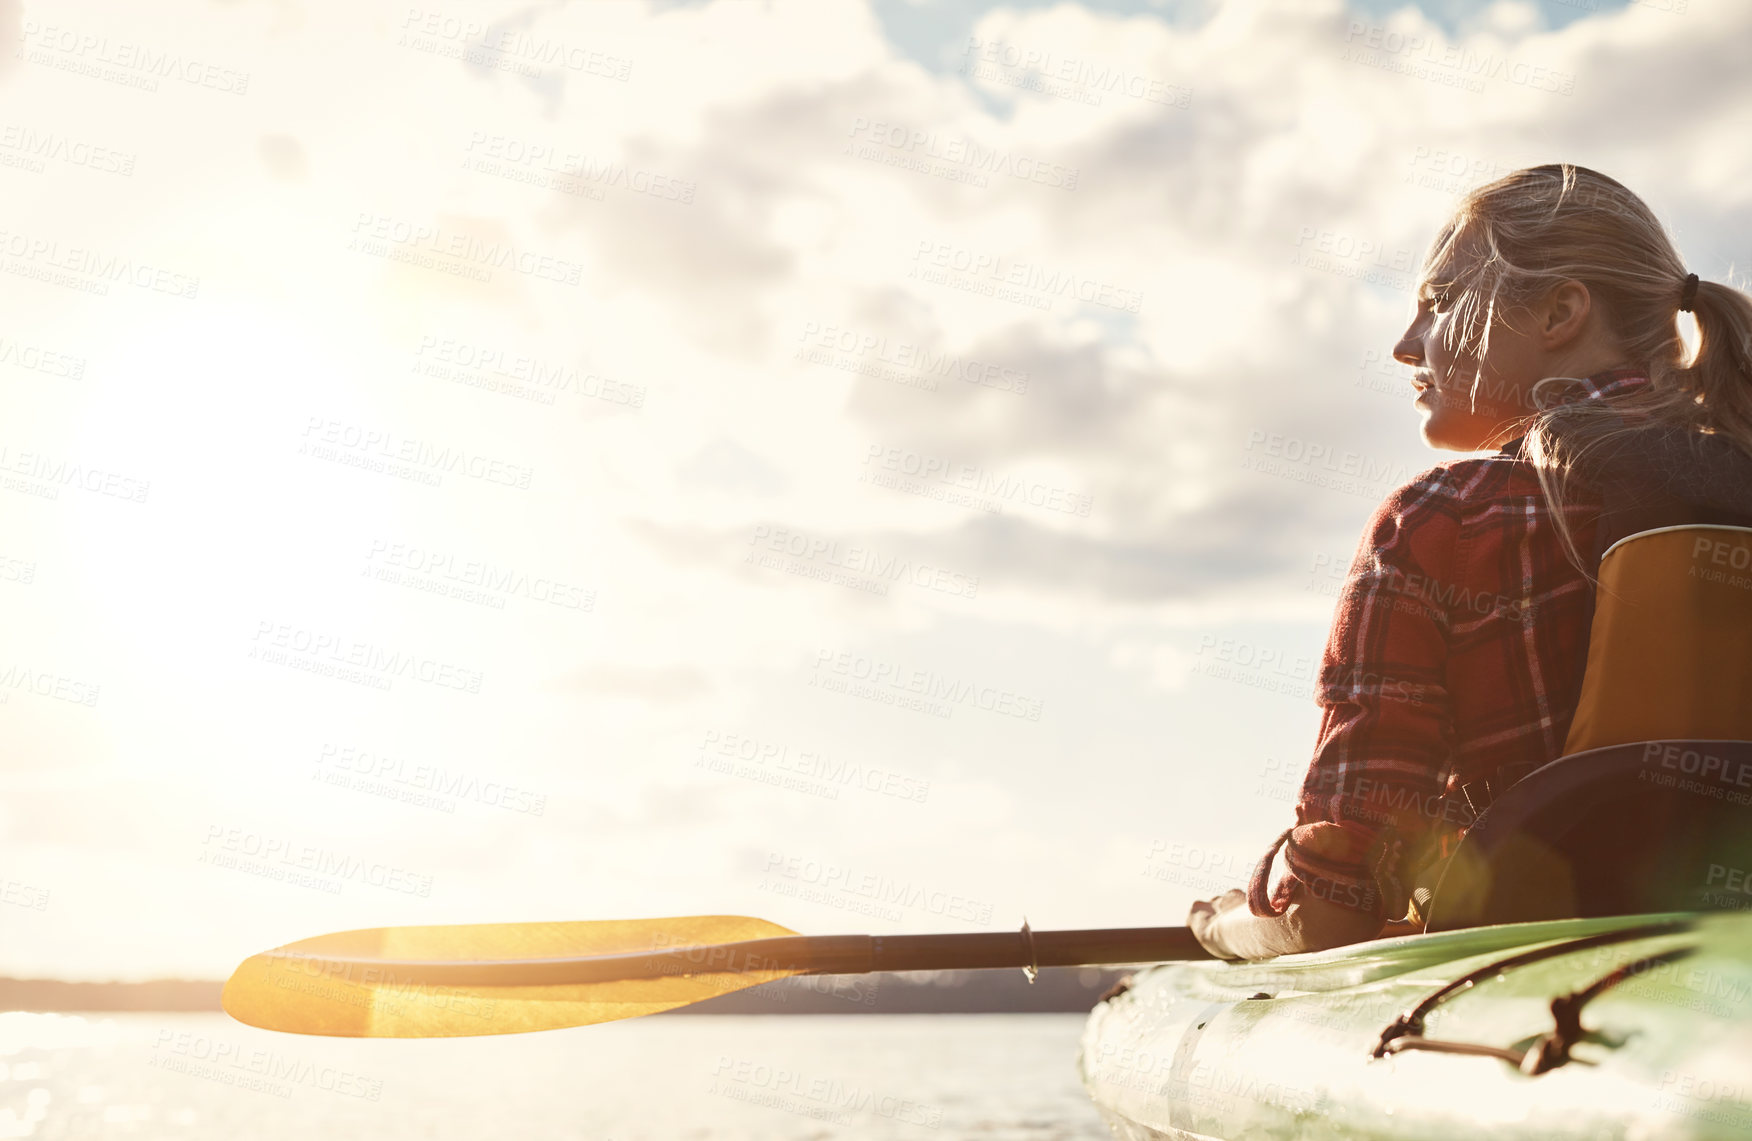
x=875 y=465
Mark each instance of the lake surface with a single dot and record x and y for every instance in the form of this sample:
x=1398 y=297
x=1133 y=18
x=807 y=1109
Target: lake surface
x=992 y=1077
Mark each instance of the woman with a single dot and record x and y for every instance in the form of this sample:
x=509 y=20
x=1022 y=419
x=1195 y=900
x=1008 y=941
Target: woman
x=1546 y=328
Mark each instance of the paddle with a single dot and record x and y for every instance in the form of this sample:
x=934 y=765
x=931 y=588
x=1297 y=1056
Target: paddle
x=508 y=978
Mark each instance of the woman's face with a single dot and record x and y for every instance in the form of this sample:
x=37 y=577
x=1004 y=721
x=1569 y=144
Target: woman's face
x=1465 y=409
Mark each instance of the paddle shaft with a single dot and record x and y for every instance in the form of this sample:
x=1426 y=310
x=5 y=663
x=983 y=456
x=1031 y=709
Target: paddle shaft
x=793 y=954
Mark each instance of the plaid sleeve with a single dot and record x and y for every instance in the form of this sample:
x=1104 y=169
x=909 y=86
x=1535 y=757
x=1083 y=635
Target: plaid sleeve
x=1374 y=788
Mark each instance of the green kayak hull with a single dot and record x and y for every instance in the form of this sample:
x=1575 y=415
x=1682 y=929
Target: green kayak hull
x=1293 y=1047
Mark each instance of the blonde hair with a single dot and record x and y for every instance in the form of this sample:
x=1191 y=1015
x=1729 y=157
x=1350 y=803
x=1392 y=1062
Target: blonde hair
x=1513 y=239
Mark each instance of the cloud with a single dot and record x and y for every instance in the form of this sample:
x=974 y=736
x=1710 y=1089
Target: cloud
x=1253 y=539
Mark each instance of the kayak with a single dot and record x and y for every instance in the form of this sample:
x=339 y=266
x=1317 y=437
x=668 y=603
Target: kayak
x=1626 y=1027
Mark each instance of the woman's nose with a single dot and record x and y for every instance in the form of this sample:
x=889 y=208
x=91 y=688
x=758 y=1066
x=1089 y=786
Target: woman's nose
x=1409 y=350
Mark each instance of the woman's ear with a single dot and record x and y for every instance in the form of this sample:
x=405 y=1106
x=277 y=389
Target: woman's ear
x=1563 y=315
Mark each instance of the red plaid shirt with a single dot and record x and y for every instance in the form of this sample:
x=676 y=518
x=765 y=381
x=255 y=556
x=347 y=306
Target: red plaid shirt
x=1455 y=657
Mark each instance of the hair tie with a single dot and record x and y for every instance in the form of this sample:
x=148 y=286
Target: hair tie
x=1688 y=294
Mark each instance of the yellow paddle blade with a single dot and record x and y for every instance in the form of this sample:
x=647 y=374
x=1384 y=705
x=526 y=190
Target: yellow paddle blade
x=345 y=985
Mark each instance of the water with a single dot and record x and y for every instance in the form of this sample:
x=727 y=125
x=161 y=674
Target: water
x=991 y=1077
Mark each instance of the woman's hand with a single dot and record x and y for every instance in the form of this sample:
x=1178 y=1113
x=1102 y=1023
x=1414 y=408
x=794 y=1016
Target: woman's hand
x=1227 y=929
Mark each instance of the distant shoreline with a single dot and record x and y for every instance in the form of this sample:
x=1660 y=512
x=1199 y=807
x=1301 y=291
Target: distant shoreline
x=1058 y=989
x=61 y=997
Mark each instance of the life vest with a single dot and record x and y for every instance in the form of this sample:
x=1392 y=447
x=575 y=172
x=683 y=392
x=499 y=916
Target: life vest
x=1670 y=645
x=1669 y=661
x=1670 y=631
